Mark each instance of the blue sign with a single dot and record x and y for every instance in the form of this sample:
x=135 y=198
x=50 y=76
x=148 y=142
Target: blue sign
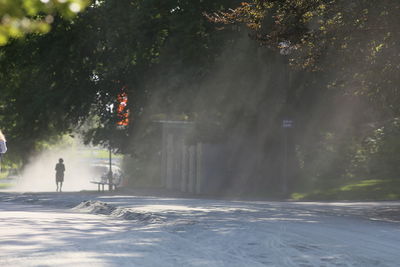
x=287 y=123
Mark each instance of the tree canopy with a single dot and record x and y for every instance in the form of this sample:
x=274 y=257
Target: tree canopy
x=329 y=65
x=354 y=42
x=51 y=83
x=19 y=17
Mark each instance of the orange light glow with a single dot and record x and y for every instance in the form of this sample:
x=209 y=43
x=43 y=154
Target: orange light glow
x=122 y=110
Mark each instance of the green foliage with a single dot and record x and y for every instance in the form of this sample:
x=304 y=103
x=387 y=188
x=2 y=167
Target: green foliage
x=52 y=83
x=173 y=62
x=381 y=149
x=353 y=42
x=42 y=83
x=358 y=166
x=348 y=95
x=20 y=17
x=364 y=190
x=3 y=174
x=4 y=185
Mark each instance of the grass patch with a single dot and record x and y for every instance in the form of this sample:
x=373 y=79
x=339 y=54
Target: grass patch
x=363 y=190
x=3 y=174
x=4 y=185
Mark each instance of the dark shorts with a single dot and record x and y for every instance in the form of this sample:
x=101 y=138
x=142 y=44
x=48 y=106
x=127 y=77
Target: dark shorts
x=59 y=177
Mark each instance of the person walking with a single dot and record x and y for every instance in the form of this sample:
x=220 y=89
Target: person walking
x=3 y=146
x=60 y=169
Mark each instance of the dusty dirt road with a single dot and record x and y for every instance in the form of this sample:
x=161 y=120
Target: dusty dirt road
x=44 y=229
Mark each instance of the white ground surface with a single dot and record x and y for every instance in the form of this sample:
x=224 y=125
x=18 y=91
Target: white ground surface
x=44 y=229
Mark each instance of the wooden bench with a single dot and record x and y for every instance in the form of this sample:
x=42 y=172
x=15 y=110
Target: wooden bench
x=101 y=184
x=116 y=180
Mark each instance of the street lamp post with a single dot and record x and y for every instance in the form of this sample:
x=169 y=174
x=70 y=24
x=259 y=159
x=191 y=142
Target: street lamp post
x=122 y=122
x=110 y=173
x=110 y=108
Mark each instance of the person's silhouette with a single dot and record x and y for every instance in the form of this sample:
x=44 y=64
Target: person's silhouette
x=60 y=169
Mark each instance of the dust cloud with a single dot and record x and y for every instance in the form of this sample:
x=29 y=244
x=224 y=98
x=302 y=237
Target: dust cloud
x=39 y=174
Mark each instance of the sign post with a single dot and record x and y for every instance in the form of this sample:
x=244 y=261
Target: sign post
x=286 y=125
